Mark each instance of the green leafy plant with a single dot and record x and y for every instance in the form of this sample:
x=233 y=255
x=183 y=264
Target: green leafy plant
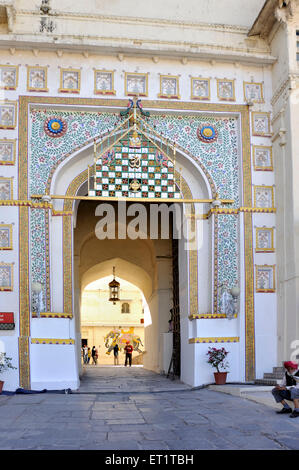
x=5 y=363
x=217 y=358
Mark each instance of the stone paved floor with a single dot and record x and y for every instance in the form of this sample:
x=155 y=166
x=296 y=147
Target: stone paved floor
x=139 y=418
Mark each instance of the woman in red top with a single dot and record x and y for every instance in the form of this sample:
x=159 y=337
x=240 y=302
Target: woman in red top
x=129 y=350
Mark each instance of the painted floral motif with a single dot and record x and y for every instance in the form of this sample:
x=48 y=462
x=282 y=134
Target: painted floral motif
x=253 y=92
x=228 y=251
x=38 y=248
x=103 y=81
x=220 y=159
x=201 y=89
x=6 y=274
x=55 y=126
x=37 y=79
x=5 y=189
x=136 y=84
x=47 y=152
x=207 y=133
x=265 y=278
x=6 y=152
x=7 y=116
x=8 y=78
x=5 y=237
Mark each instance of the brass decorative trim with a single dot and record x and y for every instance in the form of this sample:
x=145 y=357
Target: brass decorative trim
x=52 y=315
x=208 y=316
x=220 y=339
x=52 y=341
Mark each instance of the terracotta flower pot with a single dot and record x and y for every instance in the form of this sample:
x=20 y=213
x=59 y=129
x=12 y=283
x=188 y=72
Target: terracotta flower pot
x=220 y=378
x=1 y=386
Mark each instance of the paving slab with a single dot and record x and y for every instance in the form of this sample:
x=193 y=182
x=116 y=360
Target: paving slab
x=175 y=419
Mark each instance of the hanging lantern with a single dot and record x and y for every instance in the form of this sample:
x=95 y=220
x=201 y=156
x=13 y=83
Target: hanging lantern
x=114 y=289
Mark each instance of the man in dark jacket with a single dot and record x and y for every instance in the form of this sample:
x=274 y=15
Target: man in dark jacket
x=288 y=389
x=128 y=350
x=115 y=353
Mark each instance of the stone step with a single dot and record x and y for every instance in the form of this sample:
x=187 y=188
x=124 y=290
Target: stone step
x=266 y=381
x=272 y=375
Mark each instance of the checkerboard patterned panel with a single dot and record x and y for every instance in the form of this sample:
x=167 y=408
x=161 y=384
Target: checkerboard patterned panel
x=127 y=171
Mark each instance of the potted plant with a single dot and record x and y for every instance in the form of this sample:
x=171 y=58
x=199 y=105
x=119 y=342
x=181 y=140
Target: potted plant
x=5 y=364
x=217 y=358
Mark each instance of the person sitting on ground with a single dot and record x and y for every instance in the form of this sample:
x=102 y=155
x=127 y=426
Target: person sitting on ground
x=288 y=390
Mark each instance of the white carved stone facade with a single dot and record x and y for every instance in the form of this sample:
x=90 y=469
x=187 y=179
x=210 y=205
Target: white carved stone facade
x=239 y=54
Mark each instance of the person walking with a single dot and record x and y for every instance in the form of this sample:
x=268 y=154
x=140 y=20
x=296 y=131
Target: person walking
x=85 y=354
x=129 y=351
x=115 y=352
x=93 y=354
x=88 y=355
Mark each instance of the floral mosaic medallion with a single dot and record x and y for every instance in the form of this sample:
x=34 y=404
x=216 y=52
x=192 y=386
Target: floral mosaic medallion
x=253 y=92
x=265 y=278
x=8 y=77
x=264 y=239
x=5 y=237
x=6 y=192
x=169 y=87
x=207 y=133
x=136 y=84
x=6 y=277
x=260 y=123
x=264 y=196
x=70 y=80
x=55 y=126
x=37 y=79
x=226 y=90
x=7 y=152
x=200 y=88
x=7 y=116
x=262 y=158
x=104 y=82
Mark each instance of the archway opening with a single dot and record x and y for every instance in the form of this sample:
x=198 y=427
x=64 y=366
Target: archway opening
x=106 y=324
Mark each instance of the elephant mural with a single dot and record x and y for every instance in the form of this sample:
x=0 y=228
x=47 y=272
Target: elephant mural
x=120 y=336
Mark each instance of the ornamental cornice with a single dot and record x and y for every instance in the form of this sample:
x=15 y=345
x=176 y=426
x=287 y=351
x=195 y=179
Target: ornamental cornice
x=58 y=14
x=131 y=46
